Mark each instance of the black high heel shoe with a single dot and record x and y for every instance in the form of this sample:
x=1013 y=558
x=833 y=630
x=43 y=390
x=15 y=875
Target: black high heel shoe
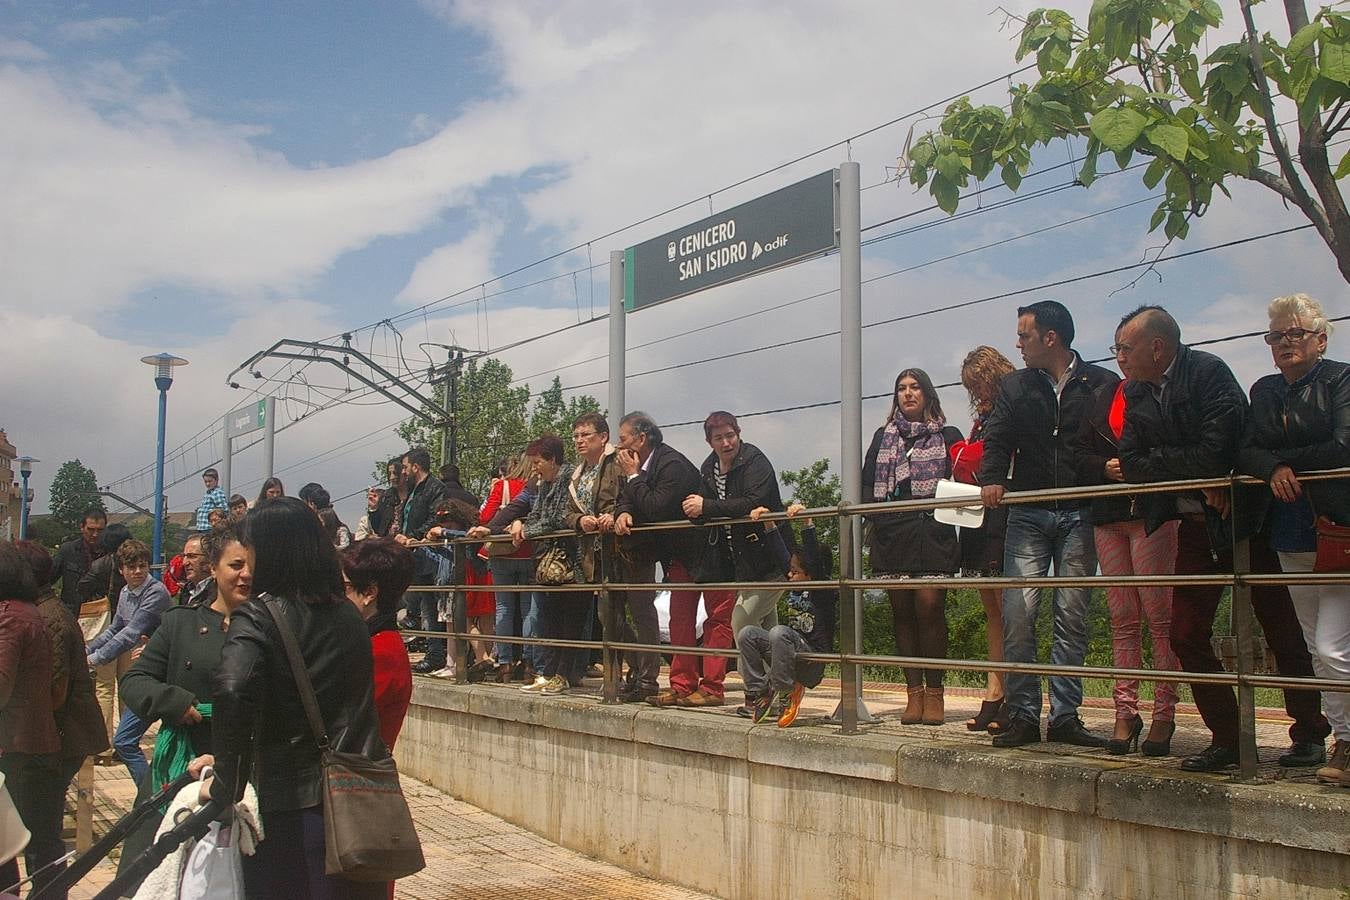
x=989 y=710
x=1118 y=747
x=1163 y=747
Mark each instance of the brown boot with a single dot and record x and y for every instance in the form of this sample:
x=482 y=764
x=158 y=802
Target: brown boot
x=934 y=710
x=913 y=713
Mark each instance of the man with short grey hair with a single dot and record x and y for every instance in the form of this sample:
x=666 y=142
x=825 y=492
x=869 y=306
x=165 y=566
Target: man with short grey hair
x=1184 y=416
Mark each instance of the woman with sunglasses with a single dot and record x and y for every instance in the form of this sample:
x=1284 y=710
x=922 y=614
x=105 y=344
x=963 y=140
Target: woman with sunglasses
x=1300 y=422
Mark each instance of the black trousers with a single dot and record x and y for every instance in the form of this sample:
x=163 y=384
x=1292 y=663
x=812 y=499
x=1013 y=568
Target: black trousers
x=562 y=615
x=37 y=785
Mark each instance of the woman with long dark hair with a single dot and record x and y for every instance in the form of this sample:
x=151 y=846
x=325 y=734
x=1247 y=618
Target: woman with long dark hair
x=272 y=488
x=258 y=711
x=907 y=457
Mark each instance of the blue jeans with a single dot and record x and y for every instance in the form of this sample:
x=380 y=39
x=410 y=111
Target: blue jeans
x=1036 y=538
x=127 y=742
x=513 y=604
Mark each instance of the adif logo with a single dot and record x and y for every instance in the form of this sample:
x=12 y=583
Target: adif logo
x=777 y=243
x=670 y=252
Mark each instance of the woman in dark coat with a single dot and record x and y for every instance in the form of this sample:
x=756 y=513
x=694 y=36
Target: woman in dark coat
x=173 y=676
x=908 y=455
x=1300 y=422
x=258 y=713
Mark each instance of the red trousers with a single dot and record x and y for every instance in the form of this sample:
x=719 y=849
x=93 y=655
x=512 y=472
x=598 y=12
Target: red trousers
x=703 y=673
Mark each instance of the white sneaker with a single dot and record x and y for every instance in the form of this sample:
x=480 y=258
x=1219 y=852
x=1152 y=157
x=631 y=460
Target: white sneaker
x=536 y=686
x=555 y=685
x=446 y=672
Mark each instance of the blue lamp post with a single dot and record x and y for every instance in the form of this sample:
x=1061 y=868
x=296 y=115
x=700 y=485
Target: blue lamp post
x=164 y=364
x=25 y=469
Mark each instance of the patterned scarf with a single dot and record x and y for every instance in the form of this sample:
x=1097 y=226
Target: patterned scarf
x=922 y=466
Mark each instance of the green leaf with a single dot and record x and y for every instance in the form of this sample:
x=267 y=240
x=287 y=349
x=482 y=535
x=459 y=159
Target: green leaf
x=1123 y=157
x=1335 y=61
x=1190 y=83
x=1171 y=139
x=1158 y=215
x=1088 y=173
x=1117 y=127
x=1304 y=38
x=945 y=193
x=1155 y=172
x=1344 y=168
x=950 y=167
x=1011 y=177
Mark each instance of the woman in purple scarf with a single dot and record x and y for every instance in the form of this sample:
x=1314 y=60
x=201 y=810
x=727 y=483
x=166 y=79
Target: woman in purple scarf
x=907 y=457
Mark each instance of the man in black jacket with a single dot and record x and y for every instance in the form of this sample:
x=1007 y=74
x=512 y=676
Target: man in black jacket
x=75 y=556
x=657 y=479
x=425 y=494
x=1027 y=448
x=1184 y=416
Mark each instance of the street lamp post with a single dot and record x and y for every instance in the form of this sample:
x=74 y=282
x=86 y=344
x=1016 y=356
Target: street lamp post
x=164 y=364
x=25 y=469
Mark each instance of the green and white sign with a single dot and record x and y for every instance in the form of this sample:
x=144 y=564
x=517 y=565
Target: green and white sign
x=246 y=419
x=790 y=224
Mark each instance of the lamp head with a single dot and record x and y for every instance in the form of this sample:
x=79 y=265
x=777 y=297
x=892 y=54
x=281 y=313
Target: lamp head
x=26 y=464
x=164 y=364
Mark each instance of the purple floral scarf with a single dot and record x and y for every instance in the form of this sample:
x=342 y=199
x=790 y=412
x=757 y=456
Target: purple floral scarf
x=922 y=466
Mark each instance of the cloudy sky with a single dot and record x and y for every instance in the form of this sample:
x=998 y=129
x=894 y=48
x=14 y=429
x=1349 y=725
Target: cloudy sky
x=206 y=178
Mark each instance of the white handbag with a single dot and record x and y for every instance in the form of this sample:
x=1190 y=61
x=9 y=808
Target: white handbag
x=214 y=869
x=960 y=516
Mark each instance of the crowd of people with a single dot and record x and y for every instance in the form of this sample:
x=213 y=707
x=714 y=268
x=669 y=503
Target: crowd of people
x=198 y=649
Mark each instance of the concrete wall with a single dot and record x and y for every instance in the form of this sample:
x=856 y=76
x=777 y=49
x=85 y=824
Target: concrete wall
x=710 y=802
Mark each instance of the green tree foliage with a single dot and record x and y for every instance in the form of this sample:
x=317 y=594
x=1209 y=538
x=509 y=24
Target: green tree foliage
x=494 y=420
x=73 y=490
x=815 y=486
x=1137 y=84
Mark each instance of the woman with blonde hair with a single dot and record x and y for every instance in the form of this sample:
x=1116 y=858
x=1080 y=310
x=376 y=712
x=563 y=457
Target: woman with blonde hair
x=982 y=371
x=1300 y=422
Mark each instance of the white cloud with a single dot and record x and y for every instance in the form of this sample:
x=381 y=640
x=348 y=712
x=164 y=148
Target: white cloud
x=20 y=51
x=95 y=29
x=468 y=261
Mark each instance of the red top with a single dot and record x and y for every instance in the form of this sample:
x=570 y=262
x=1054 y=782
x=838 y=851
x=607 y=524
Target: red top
x=966 y=455
x=393 y=683
x=494 y=503
x=1115 y=417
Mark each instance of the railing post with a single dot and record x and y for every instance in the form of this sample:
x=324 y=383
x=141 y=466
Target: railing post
x=1246 y=644
x=459 y=619
x=610 y=617
x=849 y=680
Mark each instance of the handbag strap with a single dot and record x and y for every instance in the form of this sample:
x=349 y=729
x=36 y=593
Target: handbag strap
x=298 y=670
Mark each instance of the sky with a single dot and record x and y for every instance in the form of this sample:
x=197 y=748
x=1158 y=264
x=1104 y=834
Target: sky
x=208 y=178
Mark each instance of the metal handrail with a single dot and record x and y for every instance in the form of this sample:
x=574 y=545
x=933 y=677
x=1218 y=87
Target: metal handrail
x=1240 y=581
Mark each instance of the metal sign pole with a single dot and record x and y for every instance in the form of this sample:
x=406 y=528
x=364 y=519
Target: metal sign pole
x=269 y=433
x=849 y=205
x=225 y=455
x=617 y=341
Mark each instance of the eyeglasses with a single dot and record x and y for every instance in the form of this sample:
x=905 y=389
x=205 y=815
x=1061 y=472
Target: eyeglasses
x=1118 y=349
x=578 y=435
x=1292 y=335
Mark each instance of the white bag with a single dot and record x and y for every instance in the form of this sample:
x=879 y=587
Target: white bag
x=214 y=869
x=960 y=516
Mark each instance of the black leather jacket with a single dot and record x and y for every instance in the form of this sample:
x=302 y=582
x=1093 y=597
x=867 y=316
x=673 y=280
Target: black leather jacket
x=258 y=709
x=1305 y=426
x=420 y=509
x=1192 y=433
x=751 y=482
x=1031 y=429
x=656 y=494
x=1095 y=444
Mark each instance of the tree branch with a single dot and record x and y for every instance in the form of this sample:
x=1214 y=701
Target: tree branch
x=1298 y=194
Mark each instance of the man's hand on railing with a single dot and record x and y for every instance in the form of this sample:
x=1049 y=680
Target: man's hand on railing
x=692 y=506
x=991 y=495
x=403 y=539
x=1220 y=500
x=605 y=521
x=1284 y=484
x=478 y=532
x=1112 y=470
x=589 y=524
x=623 y=524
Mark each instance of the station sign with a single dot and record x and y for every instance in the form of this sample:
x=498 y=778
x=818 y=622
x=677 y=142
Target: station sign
x=785 y=226
x=246 y=419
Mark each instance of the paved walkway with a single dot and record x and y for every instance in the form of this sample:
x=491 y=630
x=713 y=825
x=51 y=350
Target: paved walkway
x=470 y=853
